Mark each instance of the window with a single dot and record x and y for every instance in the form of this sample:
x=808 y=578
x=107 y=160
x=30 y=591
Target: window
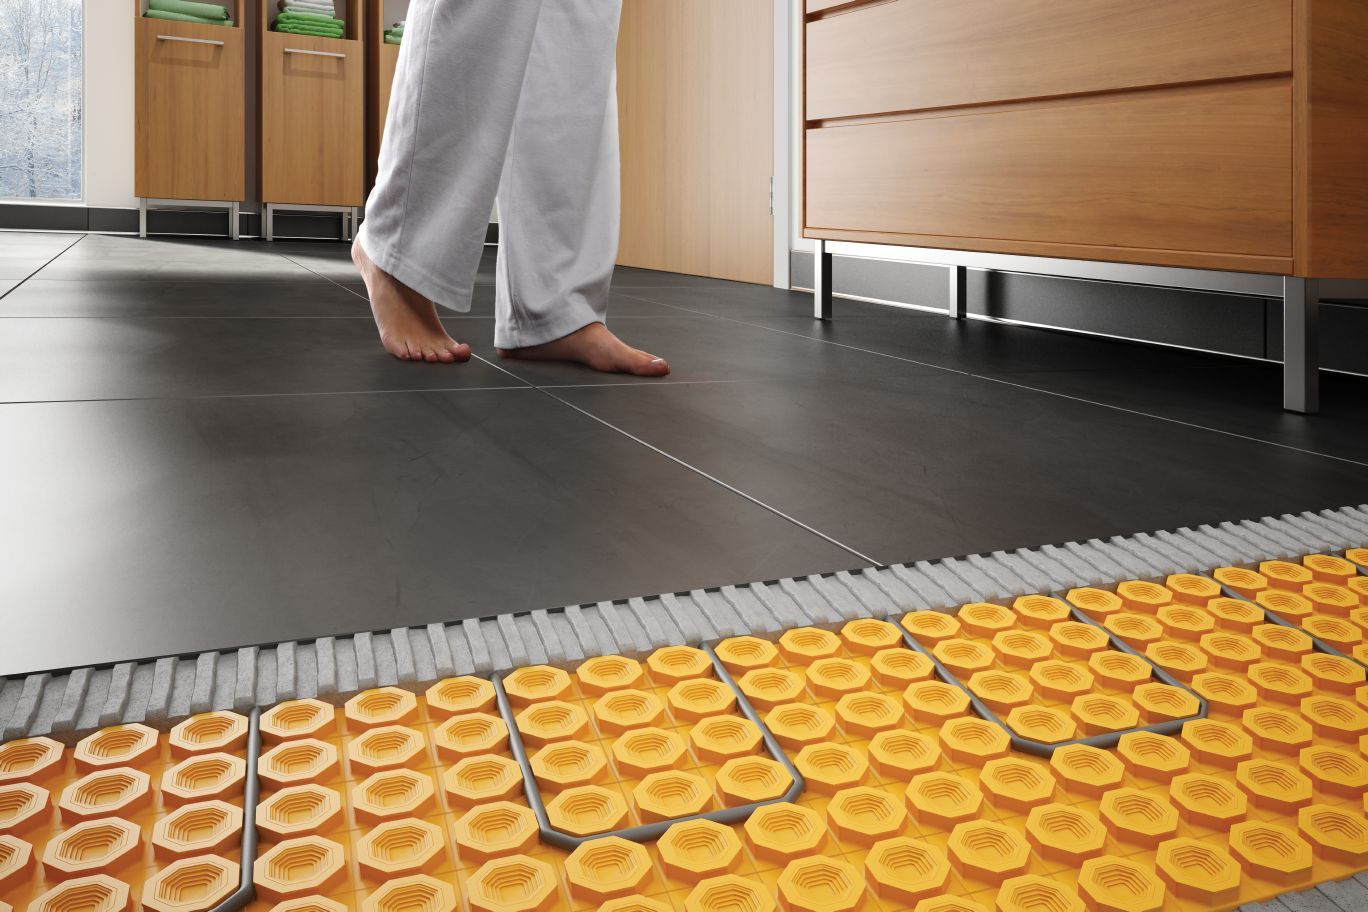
x=42 y=110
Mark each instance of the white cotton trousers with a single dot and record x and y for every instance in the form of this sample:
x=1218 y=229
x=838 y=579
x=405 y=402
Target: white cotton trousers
x=514 y=99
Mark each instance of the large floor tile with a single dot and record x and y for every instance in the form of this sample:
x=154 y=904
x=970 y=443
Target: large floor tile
x=11 y=240
x=223 y=300
x=923 y=467
x=706 y=349
x=18 y=248
x=129 y=358
x=15 y=269
x=970 y=346
x=174 y=260
x=722 y=299
x=633 y=277
x=17 y=265
x=333 y=260
x=1238 y=397
x=159 y=527
x=620 y=304
x=330 y=259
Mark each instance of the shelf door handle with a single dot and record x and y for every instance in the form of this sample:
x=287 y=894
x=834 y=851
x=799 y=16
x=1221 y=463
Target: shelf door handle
x=316 y=53
x=190 y=40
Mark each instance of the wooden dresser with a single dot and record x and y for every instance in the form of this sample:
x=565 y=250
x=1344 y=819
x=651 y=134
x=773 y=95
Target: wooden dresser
x=311 y=111
x=190 y=114
x=1216 y=135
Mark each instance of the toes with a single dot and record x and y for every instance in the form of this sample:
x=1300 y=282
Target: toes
x=431 y=351
x=655 y=367
x=643 y=364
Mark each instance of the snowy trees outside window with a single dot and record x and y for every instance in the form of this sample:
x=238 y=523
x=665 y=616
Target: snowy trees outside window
x=42 y=111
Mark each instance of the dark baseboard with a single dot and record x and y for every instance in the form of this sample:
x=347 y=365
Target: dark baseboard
x=321 y=226
x=38 y=217
x=1228 y=324
x=113 y=220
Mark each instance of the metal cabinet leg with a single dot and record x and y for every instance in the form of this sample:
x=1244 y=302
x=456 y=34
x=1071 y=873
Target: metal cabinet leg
x=1301 y=345
x=821 y=282
x=233 y=221
x=959 y=291
x=142 y=216
x=268 y=221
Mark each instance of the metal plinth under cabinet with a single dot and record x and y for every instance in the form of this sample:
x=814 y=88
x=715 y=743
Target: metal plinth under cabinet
x=351 y=218
x=230 y=207
x=1301 y=297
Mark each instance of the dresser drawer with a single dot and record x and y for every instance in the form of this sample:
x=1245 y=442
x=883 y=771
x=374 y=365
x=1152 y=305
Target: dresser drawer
x=909 y=55
x=1205 y=169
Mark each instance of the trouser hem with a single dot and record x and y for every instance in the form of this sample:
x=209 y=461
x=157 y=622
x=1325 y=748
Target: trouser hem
x=527 y=335
x=413 y=275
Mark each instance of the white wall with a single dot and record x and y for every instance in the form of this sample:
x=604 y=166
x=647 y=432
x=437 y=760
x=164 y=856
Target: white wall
x=109 y=104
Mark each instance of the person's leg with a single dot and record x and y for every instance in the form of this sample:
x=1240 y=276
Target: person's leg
x=460 y=73
x=559 y=198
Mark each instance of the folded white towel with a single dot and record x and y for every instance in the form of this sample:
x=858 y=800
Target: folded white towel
x=322 y=7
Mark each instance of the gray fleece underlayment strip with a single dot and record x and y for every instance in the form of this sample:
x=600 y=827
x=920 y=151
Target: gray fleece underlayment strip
x=159 y=692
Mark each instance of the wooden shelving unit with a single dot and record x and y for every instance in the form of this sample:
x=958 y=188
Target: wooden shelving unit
x=190 y=135
x=311 y=107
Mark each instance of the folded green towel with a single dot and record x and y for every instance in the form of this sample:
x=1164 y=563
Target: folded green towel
x=308 y=19
x=308 y=30
x=181 y=17
x=188 y=8
x=397 y=31
x=394 y=39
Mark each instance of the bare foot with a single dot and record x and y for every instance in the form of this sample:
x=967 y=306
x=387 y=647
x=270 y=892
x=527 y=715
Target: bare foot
x=595 y=347
x=408 y=324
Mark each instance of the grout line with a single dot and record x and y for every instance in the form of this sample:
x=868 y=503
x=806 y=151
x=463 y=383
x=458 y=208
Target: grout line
x=434 y=389
x=693 y=468
x=715 y=480
x=169 y=317
x=367 y=317
x=718 y=285
x=42 y=267
x=660 y=382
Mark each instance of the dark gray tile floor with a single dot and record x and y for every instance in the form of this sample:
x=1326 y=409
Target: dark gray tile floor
x=205 y=447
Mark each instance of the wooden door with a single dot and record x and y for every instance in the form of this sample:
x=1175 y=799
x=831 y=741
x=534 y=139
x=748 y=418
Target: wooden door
x=312 y=120
x=190 y=111
x=696 y=98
